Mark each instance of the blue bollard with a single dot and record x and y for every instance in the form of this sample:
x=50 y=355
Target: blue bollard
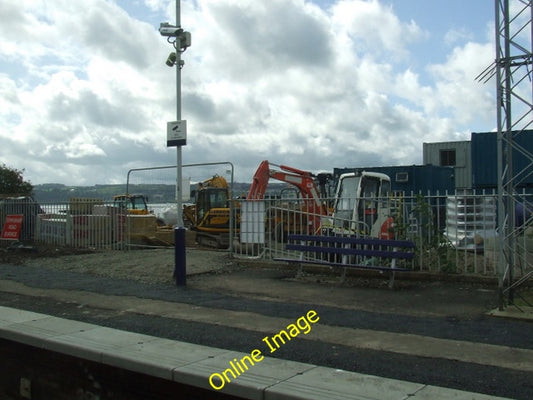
x=180 y=259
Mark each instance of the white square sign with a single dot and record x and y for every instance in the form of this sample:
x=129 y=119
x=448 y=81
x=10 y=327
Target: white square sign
x=176 y=133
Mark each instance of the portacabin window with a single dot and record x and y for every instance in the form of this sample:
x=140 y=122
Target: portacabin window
x=447 y=158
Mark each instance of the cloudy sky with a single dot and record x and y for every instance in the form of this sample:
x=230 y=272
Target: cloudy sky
x=315 y=84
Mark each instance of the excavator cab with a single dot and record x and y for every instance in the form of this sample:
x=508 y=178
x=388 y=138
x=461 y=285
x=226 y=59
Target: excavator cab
x=209 y=199
x=362 y=204
x=209 y=216
x=135 y=204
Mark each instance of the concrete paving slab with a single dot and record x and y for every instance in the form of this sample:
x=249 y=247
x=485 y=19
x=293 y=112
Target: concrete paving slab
x=33 y=332
x=159 y=357
x=250 y=384
x=93 y=343
x=10 y=316
x=438 y=393
x=326 y=383
x=321 y=383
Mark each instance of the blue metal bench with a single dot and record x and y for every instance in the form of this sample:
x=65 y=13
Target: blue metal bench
x=349 y=252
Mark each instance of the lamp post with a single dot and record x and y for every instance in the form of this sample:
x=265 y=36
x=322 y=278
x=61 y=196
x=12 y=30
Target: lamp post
x=177 y=136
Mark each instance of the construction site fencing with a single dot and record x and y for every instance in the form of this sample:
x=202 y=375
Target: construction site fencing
x=454 y=233
x=79 y=223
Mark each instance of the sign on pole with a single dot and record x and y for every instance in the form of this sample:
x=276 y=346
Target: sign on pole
x=176 y=133
x=12 y=227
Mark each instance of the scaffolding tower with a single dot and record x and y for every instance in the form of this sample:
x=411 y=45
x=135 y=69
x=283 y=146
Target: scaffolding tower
x=514 y=58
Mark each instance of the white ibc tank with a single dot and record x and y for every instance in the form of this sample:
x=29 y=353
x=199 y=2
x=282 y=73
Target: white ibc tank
x=470 y=220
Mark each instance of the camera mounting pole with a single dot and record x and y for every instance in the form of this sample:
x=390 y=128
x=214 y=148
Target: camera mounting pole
x=177 y=136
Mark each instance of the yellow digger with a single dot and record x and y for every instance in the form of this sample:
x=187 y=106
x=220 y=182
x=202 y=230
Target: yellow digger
x=209 y=216
x=134 y=204
x=143 y=227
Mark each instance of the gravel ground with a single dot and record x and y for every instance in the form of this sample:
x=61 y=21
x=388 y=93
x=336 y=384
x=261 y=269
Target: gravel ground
x=146 y=265
x=437 y=309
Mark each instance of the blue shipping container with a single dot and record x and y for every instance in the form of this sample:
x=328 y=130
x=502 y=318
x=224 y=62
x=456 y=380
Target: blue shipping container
x=412 y=178
x=485 y=159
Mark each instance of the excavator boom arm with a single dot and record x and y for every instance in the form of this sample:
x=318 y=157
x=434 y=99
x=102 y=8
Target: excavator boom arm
x=303 y=180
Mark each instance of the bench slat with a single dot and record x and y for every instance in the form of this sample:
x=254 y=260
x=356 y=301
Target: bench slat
x=351 y=240
x=351 y=251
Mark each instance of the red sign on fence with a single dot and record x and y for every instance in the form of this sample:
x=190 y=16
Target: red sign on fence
x=12 y=227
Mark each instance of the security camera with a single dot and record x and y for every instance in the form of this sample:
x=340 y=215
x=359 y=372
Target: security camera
x=185 y=40
x=171 y=60
x=165 y=29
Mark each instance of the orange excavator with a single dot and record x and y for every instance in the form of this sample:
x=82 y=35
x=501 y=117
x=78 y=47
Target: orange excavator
x=305 y=216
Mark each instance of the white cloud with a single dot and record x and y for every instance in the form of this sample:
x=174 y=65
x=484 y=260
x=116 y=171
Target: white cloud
x=457 y=89
x=372 y=28
x=85 y=93
x=457 y=35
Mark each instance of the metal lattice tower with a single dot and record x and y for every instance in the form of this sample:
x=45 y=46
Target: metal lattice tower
x=514 y=59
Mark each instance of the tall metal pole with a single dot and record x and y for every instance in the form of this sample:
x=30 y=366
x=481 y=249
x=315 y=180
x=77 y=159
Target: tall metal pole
x=179 y=160
x=500 y=163
x=180 y=262
x=514 y=61
x=505 y=150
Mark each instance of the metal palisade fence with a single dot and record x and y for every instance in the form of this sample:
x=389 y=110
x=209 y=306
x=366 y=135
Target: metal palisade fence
x=454 y=233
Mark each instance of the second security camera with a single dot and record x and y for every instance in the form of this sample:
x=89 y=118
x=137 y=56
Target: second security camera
x=171 y=60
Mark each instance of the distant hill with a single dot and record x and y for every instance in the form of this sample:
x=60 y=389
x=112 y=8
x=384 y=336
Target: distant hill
x=156 y=193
